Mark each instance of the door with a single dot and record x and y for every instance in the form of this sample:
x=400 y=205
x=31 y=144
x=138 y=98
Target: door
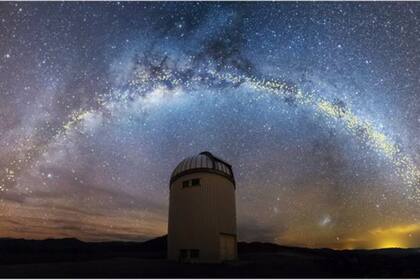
x=227 y=246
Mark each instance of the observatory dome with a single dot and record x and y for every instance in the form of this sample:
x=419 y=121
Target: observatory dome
x=203 y=162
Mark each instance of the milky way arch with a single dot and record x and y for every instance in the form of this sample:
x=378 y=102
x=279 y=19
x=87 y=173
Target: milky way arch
x=148 y=75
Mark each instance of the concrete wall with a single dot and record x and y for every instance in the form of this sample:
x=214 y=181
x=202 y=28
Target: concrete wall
x=197 y=215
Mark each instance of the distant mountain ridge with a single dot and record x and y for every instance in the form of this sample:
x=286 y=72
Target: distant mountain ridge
x=158 y=244
x=75 y=245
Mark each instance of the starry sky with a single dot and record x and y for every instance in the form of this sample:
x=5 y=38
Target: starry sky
x=315 y=105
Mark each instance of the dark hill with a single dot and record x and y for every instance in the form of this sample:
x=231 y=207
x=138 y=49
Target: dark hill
x=72 y=245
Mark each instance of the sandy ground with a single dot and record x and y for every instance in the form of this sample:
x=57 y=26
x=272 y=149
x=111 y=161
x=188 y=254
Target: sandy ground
x=262 y=265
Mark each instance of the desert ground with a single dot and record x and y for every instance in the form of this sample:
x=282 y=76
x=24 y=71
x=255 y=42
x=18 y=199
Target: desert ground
x=70 y=258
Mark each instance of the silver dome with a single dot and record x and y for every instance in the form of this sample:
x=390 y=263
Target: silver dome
x=203 y=162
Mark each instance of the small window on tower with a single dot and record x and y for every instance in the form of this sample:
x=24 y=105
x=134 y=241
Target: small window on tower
x=195 y=254
x=195 y=182
x=183 y=254
x=186 y=184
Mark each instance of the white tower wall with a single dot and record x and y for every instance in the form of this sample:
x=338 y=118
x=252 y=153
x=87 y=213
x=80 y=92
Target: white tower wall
x=203 y=218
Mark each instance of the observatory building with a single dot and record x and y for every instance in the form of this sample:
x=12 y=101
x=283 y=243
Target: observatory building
x=202 y=214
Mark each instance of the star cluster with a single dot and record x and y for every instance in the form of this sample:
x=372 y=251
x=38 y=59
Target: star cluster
x=315 y=105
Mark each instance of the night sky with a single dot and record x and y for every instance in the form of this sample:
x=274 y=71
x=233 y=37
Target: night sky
x=315 y=105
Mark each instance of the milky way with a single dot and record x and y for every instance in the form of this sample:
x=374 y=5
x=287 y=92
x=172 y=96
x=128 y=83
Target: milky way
x=314 y=104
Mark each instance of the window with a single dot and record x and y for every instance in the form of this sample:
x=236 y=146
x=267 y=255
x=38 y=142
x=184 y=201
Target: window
x=194 y=253
x=183 y=253
x=191 y=183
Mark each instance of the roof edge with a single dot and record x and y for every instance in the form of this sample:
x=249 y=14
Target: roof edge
x=202 y=170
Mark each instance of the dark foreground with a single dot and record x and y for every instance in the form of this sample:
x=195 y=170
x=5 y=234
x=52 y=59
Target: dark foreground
x=71 y=258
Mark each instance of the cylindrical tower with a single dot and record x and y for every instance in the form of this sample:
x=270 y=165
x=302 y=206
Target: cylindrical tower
x=202 y=214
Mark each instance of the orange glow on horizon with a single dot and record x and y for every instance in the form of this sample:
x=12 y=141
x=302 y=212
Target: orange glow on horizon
x=391 y=243
x=398 y=236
